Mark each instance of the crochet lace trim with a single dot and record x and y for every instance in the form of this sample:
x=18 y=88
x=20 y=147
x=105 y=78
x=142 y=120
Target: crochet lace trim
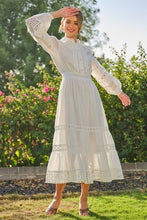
x=79 y=176
x=65 y=147
x=80 y=127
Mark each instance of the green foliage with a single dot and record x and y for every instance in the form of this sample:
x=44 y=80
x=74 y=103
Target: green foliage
x=27 y=114
x=128 y=124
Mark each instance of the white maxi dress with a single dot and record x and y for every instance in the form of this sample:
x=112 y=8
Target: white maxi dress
x=83 y=149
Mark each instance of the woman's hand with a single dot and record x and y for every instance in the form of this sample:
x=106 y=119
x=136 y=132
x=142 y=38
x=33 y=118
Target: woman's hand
x=65 y=12
x=124 y=99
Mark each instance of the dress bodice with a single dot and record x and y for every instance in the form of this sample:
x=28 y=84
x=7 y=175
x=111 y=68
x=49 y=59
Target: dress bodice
x=70 y=57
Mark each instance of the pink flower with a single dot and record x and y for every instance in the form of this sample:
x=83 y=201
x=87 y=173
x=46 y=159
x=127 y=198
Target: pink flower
x=14 y=75
x=1 y=105
x=54 y=100
x=52 y=88
x=7 y=73
x=24 y=95
x=7 y=97
x=7 y=77
x=4 y=100
x=43 y=84
x=17 y=90
x=46 y=89
x=45 y=98
x=39 y=96
x=1 y=93
x=9 y=100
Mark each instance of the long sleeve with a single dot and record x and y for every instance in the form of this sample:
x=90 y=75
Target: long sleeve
x=38 y=26
x=111 y=84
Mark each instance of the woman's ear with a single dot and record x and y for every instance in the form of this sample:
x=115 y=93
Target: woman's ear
x=82 y=26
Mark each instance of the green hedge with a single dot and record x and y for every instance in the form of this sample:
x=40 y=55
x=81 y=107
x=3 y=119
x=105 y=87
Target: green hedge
x=27 y=114
x=128 y=124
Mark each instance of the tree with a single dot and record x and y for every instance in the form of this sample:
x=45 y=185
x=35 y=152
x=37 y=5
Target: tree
x=18 y=51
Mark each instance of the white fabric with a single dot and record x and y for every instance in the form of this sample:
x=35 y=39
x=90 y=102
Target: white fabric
x=83 y=148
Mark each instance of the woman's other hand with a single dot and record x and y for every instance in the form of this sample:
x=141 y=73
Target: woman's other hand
x=124 y=99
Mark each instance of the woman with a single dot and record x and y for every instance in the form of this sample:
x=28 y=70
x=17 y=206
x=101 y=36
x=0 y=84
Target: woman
x=83 y=148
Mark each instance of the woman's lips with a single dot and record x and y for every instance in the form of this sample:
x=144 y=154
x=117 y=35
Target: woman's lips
x=71 y=31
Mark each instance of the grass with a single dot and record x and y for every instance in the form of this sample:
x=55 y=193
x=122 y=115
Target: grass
x=122 y=205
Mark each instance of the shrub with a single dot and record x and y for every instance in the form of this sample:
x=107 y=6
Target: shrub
x=128 y=124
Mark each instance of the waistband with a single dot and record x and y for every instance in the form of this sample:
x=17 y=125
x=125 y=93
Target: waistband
x=73 y=75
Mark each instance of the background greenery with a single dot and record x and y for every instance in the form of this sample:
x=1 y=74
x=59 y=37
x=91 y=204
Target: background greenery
x=128 y=124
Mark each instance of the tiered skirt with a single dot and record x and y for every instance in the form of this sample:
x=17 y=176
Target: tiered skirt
x=83 y=147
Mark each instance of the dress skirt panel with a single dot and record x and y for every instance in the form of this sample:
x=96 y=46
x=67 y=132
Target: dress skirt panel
x=77 y=164
x=83 y=148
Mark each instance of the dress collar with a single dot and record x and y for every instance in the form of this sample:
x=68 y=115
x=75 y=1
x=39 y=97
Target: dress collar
x=67 y=39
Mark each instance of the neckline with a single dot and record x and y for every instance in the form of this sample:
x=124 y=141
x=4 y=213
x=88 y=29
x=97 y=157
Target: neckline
x=71 y=39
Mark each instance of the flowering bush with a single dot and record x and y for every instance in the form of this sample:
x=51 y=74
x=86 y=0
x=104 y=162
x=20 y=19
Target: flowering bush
x=27 y=121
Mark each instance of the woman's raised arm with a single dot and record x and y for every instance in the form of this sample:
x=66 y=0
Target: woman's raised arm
x=38 y=26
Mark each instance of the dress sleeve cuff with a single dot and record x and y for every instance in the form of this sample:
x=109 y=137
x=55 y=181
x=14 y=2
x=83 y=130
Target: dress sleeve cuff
x=51 y=16
x=119 y=92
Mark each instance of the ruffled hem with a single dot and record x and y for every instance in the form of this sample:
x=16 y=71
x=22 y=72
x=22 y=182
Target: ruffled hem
x=87 y=177
x=70 y=164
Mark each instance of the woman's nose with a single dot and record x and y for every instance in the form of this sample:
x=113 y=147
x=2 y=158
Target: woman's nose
x=71 y=25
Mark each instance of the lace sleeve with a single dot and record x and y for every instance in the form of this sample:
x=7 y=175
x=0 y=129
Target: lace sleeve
x=111 y=84
x=38 y=26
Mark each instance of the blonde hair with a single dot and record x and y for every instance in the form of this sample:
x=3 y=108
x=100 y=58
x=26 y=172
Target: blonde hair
x=80 y=22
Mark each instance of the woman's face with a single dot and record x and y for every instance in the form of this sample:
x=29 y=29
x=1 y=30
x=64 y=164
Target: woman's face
x=70 y=26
